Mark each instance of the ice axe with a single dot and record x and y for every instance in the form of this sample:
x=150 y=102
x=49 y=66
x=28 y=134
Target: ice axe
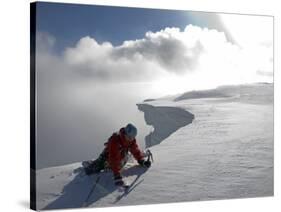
x=149 y=155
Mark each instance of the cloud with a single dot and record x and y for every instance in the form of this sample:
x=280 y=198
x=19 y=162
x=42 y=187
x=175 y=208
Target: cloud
x=44 y=41
x=169 y=51
x=167 y=48
x=249 y=30
x=96 y=61
x=254 y=35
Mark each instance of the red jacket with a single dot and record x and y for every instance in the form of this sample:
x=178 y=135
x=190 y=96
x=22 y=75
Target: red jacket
x=117 y=149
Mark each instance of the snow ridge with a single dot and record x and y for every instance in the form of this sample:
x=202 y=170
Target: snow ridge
x=165 y=121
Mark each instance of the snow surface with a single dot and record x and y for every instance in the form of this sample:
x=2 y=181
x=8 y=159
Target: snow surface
x=224 y=151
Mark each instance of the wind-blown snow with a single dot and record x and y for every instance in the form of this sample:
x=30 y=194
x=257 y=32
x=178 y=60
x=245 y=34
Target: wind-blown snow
x=226 y=152
x=259 y=93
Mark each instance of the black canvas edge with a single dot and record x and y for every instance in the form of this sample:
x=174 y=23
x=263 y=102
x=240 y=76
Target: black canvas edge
x=32 y=106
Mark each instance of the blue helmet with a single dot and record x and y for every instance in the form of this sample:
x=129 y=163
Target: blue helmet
x=131 y=130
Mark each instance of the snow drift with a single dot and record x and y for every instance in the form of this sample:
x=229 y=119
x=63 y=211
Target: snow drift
x=260 y=93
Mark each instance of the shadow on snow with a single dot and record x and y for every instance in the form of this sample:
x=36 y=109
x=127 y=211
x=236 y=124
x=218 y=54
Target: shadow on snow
x=75 y=192
x=165 y=121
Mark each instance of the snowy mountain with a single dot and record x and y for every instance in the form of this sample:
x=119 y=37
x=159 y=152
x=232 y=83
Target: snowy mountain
x=211 y=147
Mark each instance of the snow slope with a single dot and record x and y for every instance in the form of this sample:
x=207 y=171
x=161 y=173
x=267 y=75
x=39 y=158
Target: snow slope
x=225 y=152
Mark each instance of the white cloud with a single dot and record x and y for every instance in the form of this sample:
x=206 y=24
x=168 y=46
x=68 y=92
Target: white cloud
x=169 y=53
x=167 y=48
x=44 y=41
x=98 y=62
x=254 y=35
x=249 y=30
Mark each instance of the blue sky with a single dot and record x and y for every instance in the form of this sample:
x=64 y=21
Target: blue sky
x=69 y=22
